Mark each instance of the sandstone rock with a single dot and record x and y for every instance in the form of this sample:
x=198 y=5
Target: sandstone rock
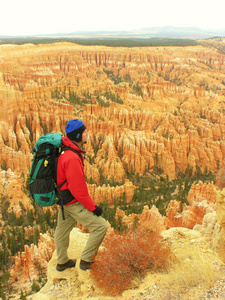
x=29 y=106
x=92 y=172
x=107 y=160
x=27 y=263
x=213 y=232
x=173 y=119
x=149 y=219
x=202 y=191
x=108 y=193
x=71 y=283
x=194 y=214
x=202 y=202
x=174 y=217
x=220 y=209
x=11 y=186
x=201 y=198
x=77 y=244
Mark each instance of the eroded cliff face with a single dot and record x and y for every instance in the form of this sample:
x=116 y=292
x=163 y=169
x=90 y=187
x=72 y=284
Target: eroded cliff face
x=201 y=202
x=34 y=258
x=145 y=108
x=170 y=114
x=199 y=214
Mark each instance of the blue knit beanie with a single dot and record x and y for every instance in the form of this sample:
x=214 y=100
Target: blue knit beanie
x=74 y=130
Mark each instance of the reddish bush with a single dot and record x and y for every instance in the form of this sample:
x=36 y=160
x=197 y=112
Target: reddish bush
x=125 y=256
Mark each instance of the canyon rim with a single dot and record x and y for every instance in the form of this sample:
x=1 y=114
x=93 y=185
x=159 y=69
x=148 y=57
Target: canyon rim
x=152 y=112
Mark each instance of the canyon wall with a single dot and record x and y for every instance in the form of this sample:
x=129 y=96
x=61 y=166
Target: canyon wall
x=201 y=201
x=33 y=261
x=199 y=214
x=170 y=114
x=145 y=109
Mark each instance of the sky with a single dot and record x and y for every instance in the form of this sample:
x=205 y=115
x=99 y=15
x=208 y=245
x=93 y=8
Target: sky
x=30 y=17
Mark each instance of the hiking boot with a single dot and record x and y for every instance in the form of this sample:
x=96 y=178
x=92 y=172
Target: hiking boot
x=85 y=265
x=70 y=264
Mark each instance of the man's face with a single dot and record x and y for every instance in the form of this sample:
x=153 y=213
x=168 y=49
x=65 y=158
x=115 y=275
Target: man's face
x=85 y=136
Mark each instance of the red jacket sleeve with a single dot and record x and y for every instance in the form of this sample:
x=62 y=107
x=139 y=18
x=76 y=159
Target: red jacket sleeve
x=74 y=172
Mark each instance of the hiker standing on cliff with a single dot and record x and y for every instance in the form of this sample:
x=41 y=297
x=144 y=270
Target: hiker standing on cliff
x=82 y=208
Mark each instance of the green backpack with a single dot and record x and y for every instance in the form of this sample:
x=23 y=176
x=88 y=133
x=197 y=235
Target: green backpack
x=42 y=178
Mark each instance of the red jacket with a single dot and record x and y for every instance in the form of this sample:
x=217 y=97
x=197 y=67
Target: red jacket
x=71 y=169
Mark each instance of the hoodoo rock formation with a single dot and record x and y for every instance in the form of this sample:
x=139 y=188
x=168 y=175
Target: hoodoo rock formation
x=147 y=110
x=163 y=106
x=33 y=259
x=201 y=198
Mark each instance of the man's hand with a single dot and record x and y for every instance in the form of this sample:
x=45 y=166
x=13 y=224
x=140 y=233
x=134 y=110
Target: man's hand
x=98 y=211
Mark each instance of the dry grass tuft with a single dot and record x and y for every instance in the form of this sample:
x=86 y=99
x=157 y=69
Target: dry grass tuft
x=221 y=253
x=192 y=269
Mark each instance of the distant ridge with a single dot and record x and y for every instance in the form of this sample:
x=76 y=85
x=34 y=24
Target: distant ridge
x=162 y=32
x=152 y=32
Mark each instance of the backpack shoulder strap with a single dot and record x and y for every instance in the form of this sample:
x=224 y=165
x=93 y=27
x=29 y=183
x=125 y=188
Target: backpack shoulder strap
x=68 y=148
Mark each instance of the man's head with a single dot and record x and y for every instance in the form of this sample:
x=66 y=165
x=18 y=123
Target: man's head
x=74 y=130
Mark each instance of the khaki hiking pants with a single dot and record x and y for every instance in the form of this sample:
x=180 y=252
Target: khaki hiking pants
x=78 y=213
